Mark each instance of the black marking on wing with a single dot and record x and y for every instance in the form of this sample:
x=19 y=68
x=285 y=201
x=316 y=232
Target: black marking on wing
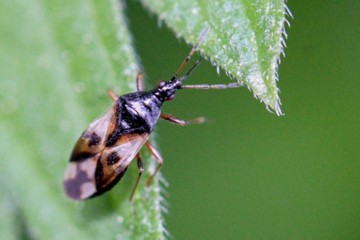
x=77 y=156
x=114 y=136
x=79 y=182
x=72 y=185
x=99 y=174
x=94 y=140
x=101 y=188
x=112 y=158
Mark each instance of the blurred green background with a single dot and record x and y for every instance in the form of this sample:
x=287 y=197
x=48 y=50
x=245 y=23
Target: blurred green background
x=248 y=174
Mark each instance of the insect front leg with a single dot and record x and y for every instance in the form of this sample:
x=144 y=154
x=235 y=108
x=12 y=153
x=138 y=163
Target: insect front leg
x=181 y=122
x=141 y=170
x=113 y=95
x=158 y=158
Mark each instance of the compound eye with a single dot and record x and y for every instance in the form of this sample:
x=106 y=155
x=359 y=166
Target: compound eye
x=161 y=84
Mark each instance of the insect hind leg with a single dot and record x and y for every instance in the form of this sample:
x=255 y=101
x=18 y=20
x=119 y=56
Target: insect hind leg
x=158 y=158
x=141 y=170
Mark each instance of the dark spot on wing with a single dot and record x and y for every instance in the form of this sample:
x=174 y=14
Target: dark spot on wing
x=112 y=158
x=72 y=186
x=99 y=173
x=94 y=139
x=113 y=137
x=103 y=189
x=77 y=156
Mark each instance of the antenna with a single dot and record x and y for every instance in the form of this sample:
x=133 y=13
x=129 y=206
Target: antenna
x=190 y=71
x=191 y=53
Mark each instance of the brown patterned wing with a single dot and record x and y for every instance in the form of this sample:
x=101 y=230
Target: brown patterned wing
x=93 y=139
x=79 y=179
x=115 y=160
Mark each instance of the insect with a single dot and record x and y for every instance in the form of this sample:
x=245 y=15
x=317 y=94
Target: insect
x=105 y=149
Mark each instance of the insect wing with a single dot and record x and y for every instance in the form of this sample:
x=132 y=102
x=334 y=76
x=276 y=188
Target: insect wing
x=79 y=180
x=93 y=139
x=115 y=160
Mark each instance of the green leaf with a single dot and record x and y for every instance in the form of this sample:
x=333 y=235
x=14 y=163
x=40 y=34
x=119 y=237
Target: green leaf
x=57 y=61
x=246 y=38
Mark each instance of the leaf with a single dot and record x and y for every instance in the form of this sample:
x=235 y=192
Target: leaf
x=58 y=59
x=246 y=38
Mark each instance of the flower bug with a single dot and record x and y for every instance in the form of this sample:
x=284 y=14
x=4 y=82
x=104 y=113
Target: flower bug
x=105 y=149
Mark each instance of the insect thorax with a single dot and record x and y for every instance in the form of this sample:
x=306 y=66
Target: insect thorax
x=140 y=112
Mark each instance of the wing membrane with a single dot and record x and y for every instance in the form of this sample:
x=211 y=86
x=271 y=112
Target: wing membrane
x=92 y=141
x=94 y=168
x=79 y=181
x=115 y=160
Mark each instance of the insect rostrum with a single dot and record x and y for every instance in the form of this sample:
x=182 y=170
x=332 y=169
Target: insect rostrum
x=106 y=148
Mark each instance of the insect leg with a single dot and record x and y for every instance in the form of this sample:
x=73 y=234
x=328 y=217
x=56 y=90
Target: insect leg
x=113 y=95
x=158 y=158
x=141 y=170
x=213 y=86
x=140 y=82
x=181 y=122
